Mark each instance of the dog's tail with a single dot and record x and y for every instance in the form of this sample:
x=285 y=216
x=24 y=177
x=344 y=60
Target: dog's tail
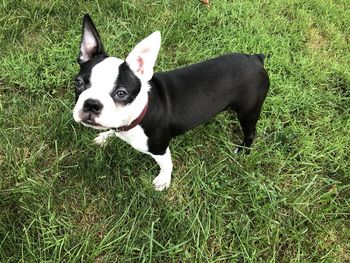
x=260 y=57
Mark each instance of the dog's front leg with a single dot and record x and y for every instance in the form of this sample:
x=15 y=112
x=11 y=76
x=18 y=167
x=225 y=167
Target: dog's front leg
x=103 y=136
x=162 y=181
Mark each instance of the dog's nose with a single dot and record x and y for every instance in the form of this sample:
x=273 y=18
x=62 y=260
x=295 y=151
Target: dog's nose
x=91 y=105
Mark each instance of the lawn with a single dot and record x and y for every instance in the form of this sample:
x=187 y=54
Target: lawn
x=64 y=199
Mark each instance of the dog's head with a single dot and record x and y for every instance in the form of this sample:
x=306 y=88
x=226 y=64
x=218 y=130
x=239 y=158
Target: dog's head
x=112 y=92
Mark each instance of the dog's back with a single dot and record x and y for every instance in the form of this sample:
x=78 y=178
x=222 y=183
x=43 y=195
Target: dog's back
x=197 y=92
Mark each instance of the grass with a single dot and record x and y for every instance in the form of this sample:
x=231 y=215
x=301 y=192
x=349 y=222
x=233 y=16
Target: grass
x=63 y=199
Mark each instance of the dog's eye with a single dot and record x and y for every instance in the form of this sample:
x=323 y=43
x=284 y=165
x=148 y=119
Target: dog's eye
x=121 y=94
x=79 y=83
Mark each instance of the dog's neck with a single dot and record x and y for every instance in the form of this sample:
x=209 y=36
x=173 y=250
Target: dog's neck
x=135 y=122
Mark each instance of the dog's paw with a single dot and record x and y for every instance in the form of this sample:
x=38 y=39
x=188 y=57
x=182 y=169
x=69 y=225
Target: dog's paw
x=242 y=150
x=101 y=139
x=162 y=182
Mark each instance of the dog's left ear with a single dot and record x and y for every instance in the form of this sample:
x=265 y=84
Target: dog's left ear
x=142 y=58
x=90 y=45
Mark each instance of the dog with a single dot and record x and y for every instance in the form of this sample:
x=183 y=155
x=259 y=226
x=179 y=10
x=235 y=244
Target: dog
x=147 y=109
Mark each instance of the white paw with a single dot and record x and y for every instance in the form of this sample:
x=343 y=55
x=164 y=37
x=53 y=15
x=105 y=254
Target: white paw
x=162 y=182
x=102 y=138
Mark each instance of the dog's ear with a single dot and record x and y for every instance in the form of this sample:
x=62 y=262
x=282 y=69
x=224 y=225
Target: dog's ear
x=90 y=44
x=142 y=58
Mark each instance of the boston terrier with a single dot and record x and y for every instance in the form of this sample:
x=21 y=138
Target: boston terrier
x=148 y=109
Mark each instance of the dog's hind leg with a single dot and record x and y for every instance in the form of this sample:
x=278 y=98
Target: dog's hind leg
x=248 y=122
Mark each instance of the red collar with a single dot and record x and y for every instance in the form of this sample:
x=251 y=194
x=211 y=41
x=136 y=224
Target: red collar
x=134 y=122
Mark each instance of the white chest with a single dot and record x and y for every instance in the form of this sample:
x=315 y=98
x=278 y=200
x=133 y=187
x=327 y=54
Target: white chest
x=136 y=137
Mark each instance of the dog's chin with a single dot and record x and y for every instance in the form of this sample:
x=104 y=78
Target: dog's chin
x=94 y=125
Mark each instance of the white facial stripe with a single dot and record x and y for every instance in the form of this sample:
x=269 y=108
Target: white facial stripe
x=104 y=74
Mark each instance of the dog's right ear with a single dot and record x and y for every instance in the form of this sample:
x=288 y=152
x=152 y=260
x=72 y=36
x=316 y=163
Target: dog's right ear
x=90 y=45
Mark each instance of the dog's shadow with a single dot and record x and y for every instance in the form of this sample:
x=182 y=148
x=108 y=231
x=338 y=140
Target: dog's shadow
x=116 y=167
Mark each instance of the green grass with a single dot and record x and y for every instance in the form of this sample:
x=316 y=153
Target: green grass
x=63 y=199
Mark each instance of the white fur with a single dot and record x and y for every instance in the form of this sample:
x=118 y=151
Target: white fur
x=142 y=58
x=102 y=137
x=162 y=181
x=136 y=137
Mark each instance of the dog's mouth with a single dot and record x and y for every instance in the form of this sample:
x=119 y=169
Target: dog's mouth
x=91 y=123
x=88 y=119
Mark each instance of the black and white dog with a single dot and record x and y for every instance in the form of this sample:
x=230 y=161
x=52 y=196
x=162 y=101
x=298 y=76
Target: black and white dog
x=146 y=110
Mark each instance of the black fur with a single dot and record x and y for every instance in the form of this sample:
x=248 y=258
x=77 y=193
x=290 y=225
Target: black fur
x=128 y=81
x=85 y=73
x=184 y=98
